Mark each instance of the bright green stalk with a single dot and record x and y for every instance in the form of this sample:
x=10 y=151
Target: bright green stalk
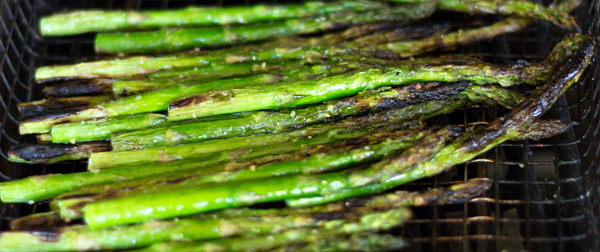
x=44 y=187
x=221 y=196
x=142 y=103
x=77 y=22
x=375 y=221
x=80 y=237
x=101 y=129
x=278 y=122
x=170 y=40
x=318 y=163
x=337 y=130
x=206 y=75
x=315 y=91
x=118 y=67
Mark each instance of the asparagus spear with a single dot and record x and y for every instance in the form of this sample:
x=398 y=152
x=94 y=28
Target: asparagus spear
x=158 y=100
x=557 y=16
x=78 y=22
x=278 y=122
x=335 y=130
x=101 y=129
x=118 y=67
x=529 y=9
x=221 y=196
x=314 y=164
x=169 y=40
x=137 y=65
x=44 y=187
x=375 y=221
x=454 y=39
x=51 y=153
x=161 y=80
x=469 y=146
x=56 y=105
x=342 y=185
x=98 y=86
x=413 y=112
x=315 y=91
x=145 y=234
x=149 y=102
x=364 y=241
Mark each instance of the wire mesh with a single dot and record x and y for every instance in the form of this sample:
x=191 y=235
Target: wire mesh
x=544 y=196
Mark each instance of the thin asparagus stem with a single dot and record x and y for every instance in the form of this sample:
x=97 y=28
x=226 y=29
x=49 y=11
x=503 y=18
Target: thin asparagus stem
x=78 y=22
x=170 y=40
x=44 y=187
x=278 y=122
x=56 y=105
x=101 y=129
x=52 y=153
x=315 y=91
x=314 y=164
x=370 y=221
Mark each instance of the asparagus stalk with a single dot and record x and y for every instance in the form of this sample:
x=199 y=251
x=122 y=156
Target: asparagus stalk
x=375 y=221
x=413 y=112
x=143 y=103
x=101 y=129
x=221 y=196
x=278 y=122
x=454 y=39
x=169 y=40
x=118 y=67
x=342 y=185
x=137 y=65
x=161 y=80
x=52 y=153
x=147 y=233
x=78 y=22
x=364 y=241
x=511 y=126
x=44 y=187
x=317 y=163
x=335 y=130
x=81 y=238
x=56 y=105
x=158 y=100
x=315 y=91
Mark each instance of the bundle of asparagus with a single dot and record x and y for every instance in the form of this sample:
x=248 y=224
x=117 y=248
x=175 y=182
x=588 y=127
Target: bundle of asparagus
x=179 y=147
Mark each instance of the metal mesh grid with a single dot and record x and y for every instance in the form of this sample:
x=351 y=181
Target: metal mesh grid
x=545 y=193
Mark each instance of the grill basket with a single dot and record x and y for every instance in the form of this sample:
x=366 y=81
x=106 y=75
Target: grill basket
x=544 y=196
